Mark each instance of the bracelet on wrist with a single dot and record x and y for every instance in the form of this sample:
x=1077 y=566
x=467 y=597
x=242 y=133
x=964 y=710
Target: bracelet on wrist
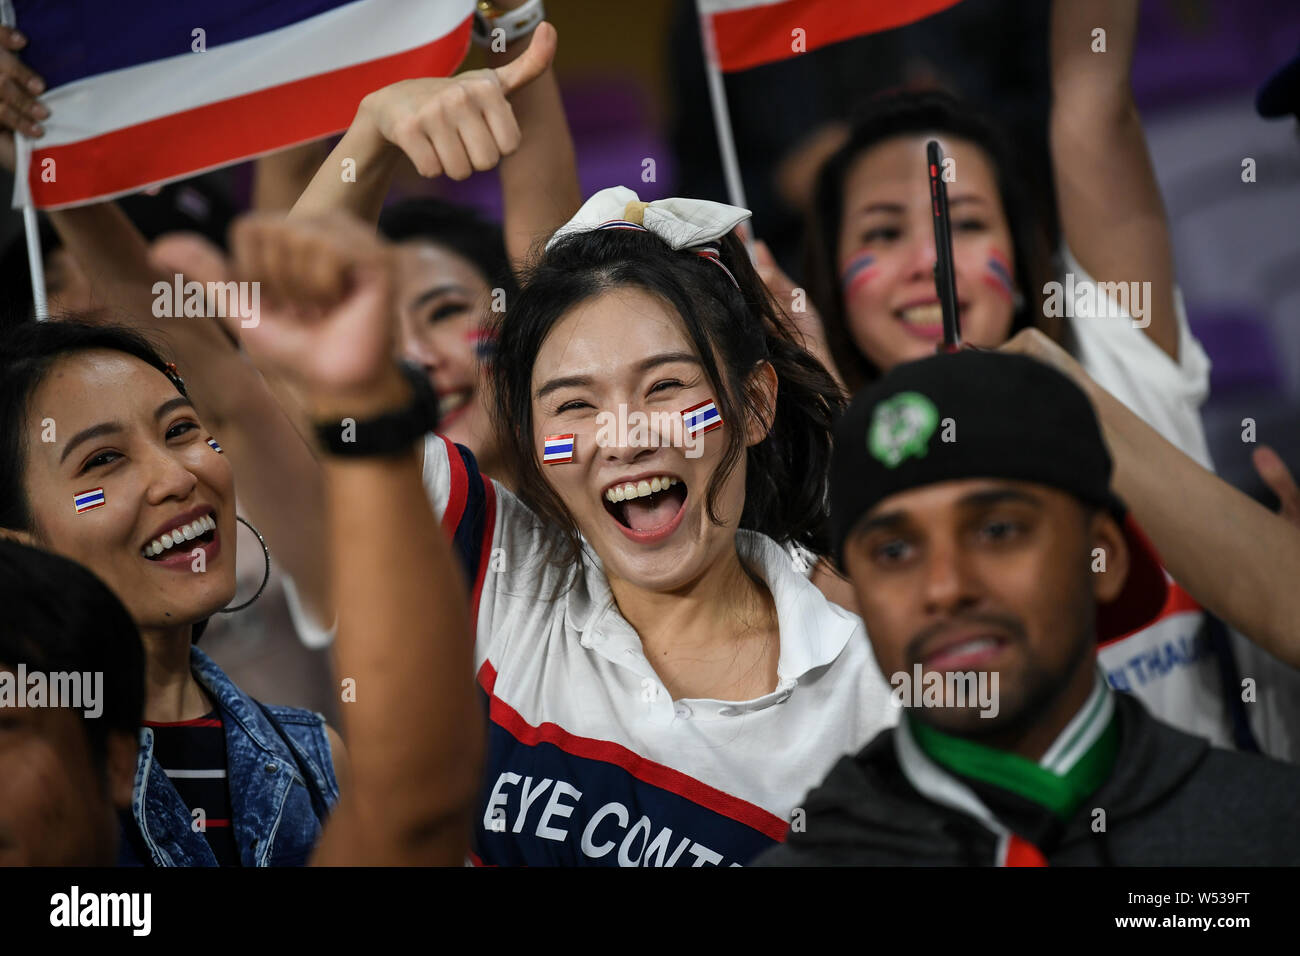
x=388 y=434
x=512 y=24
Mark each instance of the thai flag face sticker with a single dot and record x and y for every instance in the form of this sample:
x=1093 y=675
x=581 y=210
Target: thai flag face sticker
x=999 y=274
x=861 y=269
x=88 y=500
x=212 y=442
x=557 y=449
x=484 y=344
x=701 y=418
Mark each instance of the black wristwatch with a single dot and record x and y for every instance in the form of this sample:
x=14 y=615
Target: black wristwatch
x=391 y=433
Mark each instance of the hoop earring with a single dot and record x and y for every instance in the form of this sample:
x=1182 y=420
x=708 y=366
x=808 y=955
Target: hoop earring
x=266 y=555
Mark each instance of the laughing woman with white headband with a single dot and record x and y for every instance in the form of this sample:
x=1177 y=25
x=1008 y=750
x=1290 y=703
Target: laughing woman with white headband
x=663 y=685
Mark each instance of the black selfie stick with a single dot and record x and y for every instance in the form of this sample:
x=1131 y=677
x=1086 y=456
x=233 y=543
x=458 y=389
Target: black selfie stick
x=945 y=279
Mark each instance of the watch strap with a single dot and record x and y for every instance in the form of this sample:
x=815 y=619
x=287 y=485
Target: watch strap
x=389 y=434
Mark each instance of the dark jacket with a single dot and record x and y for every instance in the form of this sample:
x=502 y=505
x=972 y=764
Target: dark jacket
x=276 y=818
x=1172 y=800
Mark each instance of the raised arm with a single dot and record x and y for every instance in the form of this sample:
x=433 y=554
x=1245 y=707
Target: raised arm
x=280 y=178
x=445 y=125
x=1111 y=211
x=1235 y=557
x=414 y=730
x=539 y=181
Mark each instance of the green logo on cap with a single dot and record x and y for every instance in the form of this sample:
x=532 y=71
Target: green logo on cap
x=901 y=427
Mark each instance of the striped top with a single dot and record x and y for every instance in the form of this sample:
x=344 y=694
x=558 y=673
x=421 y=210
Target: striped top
x=590 y=759
x=193 y=755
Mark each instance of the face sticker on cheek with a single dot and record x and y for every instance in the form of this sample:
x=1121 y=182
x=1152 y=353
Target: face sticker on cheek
x=212 y=443
x=702 y=418
x=997 y=273
x=557 y=449
x=85 y=501
x=484 y=343
x=860 y=270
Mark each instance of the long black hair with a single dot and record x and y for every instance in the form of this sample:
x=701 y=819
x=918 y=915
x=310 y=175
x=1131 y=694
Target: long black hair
x=733 y=328
x=903 y=113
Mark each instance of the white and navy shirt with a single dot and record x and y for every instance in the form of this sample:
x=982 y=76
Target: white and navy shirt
x=590 y=760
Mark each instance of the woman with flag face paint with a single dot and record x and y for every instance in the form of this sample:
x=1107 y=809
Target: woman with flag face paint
x=648 y=652
x=1112 y=301
x=453 y=271
x=106 y=462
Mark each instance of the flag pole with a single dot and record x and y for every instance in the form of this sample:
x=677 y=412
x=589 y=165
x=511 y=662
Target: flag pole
x=23 y=196
x=36 y=266
x=722 y=123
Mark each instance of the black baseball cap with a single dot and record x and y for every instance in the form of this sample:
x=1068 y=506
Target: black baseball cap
x=978 y=414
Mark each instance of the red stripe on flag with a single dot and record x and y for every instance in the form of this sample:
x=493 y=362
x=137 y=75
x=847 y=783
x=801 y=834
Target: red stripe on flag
x=182 y=144
x=764 y=34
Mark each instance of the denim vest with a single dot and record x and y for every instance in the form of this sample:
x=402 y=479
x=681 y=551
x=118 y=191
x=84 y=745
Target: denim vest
x=272 y=816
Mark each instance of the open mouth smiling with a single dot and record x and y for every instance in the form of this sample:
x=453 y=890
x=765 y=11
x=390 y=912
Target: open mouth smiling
x=175 y=540
x=925 y=319
x=646 y=508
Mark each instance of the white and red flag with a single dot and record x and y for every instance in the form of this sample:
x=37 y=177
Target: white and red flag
x=749 y=33
x=142 y=92
x=741 y=34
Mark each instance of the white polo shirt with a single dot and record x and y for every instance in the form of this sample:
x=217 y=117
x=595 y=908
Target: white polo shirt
x=590 y=760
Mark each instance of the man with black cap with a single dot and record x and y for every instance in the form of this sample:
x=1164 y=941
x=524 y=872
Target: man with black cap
x=971 y=508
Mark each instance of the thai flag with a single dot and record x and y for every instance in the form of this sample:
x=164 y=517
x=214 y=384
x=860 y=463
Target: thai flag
x=701 y=418
x=749 y=33
x=999 y=274
x=484 y=342
x=142 y=92
x=557 y=449
x=88 y=500
x=212 y=443
x=861 y=268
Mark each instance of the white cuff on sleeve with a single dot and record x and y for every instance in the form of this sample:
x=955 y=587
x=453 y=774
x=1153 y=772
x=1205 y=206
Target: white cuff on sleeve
x=309 y=632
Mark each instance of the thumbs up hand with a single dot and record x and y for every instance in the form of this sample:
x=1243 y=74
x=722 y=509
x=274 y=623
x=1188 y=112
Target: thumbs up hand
x=455 y=125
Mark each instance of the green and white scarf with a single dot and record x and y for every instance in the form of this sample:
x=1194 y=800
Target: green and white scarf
x=1074 y=766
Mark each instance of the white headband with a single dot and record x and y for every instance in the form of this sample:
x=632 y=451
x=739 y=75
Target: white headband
x=682 y=223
